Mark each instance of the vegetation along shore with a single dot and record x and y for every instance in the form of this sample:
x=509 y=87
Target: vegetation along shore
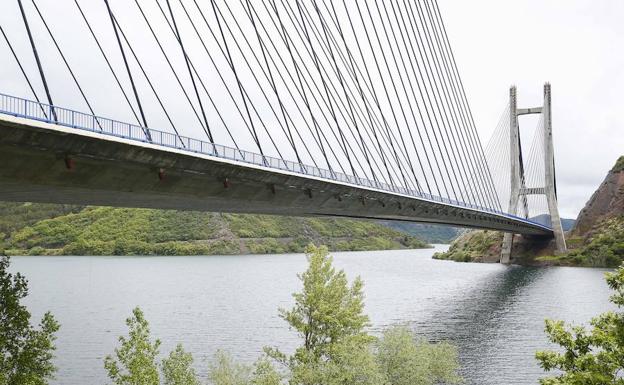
x=46 y=229
x=596 y=238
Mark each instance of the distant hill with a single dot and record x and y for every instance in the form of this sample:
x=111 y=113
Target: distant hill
x=427 y=232
x=38 y=229
x=544 y=219
x=447 y=234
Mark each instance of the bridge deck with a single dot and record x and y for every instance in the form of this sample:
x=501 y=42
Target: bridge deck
x=83 y=159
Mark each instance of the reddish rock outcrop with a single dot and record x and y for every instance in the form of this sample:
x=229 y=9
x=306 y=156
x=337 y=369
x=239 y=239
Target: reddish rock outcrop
x=607 y=202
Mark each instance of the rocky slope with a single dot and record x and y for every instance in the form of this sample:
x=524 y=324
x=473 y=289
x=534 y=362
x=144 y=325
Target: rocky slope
x=37 y=229
x=596 y=239
x=606 y=203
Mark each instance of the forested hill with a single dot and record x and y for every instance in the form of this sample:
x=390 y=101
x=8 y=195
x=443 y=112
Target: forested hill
x=45 y=229
x=427 y=232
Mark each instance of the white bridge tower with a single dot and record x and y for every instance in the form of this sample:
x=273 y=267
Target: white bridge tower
x=518 y=188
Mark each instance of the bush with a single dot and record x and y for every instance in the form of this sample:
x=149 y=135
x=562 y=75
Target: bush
x=37 y=250
x=591 y=356
x=265 y=246
x=406 y=361
x=224 y=370
x=471 y=246
x=619 y=165
x=604 y=247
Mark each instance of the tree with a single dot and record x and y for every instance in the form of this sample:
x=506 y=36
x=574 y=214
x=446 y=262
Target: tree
x=225 y=371
x=177 y=369
x=328 y=316
x=594 y=356
x=135 y=361
x=405 y=361
x=26 y=353
x=264 y=373
x=352 y=362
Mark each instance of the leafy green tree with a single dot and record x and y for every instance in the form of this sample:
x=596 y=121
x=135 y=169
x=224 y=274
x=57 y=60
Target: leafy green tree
x=264 y=373
x=406 y=361
x=352 y=362
x=177 y=369
x=594 y=356
x=328 y=309
x=26 y=353
x=135 y=361
x=224 y=370
x=328 y=316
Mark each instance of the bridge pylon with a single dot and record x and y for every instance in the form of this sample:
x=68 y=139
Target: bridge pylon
x=517 y=182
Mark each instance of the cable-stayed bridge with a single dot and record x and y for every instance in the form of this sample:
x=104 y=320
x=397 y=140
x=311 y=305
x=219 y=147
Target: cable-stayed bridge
x=330 y=108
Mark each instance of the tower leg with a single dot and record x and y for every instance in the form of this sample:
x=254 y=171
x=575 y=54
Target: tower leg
x=549 y=163
x=505 y=257
x=555 y=221
x=514 y=195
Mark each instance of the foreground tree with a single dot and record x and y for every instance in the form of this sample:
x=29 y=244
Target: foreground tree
x=594 y=356
x=328 y=316
x=135 y=361
x=177 y=369
x=225 y=371
x=406 y=361
x=264 y=373
x=26 y=353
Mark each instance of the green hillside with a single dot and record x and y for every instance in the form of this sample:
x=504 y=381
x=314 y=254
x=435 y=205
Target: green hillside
x=62 y=230
x=14 y=216
x=427 y=232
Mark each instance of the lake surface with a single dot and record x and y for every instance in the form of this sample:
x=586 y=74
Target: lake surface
x=495 y=314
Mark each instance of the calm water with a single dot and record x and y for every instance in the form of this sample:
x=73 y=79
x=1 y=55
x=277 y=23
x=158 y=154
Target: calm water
x=493 y=313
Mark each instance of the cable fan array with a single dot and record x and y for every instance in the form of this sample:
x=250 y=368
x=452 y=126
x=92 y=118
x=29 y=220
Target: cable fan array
x=368 y=88
x=532 y=168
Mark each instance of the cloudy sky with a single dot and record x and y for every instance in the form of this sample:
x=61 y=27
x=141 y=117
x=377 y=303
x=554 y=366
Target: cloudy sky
x=574 y=45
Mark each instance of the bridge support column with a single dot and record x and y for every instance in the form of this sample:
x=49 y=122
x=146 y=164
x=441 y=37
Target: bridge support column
x=514 y=195
x=551 y=183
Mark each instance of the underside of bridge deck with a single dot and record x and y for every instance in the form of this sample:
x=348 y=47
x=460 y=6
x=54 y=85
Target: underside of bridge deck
x=41 y=162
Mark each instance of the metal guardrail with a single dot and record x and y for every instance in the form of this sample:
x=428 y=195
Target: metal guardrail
x=24 y=108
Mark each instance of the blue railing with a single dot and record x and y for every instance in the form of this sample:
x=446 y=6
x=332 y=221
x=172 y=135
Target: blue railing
x=24 y=108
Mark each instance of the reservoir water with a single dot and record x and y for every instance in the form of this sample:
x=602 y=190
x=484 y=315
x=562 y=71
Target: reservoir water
x=494 y=314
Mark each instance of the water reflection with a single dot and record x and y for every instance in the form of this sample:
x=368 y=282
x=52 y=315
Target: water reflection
x=480 y=305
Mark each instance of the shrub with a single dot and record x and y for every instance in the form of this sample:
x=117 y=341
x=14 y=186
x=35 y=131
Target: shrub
x=26 y=353
x=37 y=250
x=591 y=356
x=406 y=361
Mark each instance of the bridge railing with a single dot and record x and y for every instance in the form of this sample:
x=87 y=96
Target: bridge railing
x=29 y=109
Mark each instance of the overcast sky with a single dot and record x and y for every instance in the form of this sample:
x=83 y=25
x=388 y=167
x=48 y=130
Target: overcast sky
x=574 y=45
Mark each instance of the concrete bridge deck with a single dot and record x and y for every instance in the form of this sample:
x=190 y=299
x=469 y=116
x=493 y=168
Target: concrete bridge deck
x=45 y=162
